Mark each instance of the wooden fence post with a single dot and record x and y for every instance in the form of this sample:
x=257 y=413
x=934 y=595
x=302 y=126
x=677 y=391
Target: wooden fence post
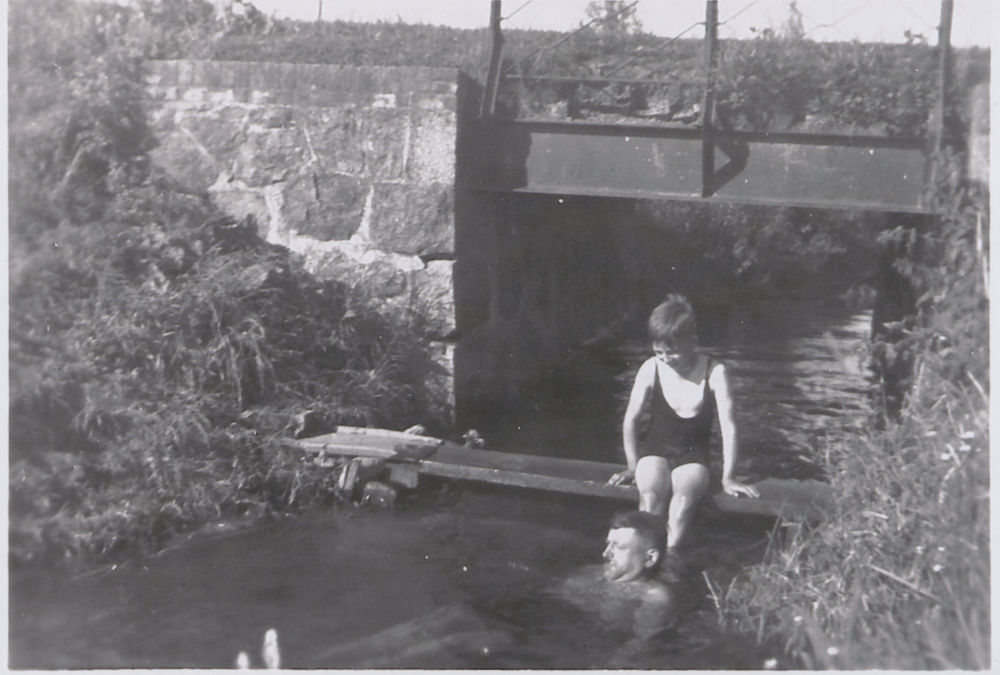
x=493 y=77
x=708 y=109
x=935 y=125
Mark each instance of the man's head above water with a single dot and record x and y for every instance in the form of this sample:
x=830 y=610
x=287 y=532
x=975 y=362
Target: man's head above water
x=637 y=542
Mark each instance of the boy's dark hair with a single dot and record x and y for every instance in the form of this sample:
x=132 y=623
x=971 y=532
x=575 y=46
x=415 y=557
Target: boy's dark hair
x=652 y=529
x=671 y=318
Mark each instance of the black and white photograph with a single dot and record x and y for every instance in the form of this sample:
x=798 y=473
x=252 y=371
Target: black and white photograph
x=520 y=335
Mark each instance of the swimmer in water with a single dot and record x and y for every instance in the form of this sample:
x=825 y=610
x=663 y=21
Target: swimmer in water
x=632 y=591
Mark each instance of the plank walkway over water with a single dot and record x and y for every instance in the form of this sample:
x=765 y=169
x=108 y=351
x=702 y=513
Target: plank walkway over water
x=432 y=456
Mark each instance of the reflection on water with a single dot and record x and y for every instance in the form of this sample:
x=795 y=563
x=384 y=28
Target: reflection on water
x=468 y=584
x=796 y=372
x=465 y=577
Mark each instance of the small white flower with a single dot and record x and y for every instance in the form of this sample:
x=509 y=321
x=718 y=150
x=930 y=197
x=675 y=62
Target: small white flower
x=942 y=549
x=945 y=456
x=965 y=447
x=938 y=568
x=919 y=550
x=797 y=619
x=968 y=435
x=771 y=664
x=832 y=651
x=930 y=434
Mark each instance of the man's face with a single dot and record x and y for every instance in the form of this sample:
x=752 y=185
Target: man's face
x=627 y=556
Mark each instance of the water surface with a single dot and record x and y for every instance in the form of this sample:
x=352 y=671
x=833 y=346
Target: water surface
x=466 y=576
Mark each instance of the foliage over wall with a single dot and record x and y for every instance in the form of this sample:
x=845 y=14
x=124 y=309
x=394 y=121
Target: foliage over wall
x=159 y=351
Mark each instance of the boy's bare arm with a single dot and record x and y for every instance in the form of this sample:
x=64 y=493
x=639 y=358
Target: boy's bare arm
x=630 y=425
x=727 y=426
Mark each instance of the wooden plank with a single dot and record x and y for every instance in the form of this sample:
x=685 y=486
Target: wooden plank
x=786 y=498
x=807 y=499
x=354 y=432
x=361 y=442
x=432 y=456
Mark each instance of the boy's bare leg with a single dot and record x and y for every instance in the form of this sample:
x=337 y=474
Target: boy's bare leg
x=690 y=482
x=652 y=478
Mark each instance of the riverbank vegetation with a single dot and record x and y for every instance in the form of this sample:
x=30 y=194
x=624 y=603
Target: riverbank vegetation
x=156 y=371
x=898 y=575
x=160 y=352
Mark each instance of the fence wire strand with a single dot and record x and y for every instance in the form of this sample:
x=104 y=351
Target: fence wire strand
x=833 y=24
x=507 y=18
x=658 y=49
x=723 y=23
x=567 y=37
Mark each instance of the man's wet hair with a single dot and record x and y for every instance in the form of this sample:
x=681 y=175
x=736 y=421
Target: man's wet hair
x=672 y=318
x=650 y=528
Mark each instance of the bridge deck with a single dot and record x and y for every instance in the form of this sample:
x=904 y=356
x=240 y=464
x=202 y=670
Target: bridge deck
x=431 y=456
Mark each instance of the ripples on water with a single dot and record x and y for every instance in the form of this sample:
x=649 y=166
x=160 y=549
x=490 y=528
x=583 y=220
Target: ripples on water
x=488 y=558
x=797 y=375
x=493 y=560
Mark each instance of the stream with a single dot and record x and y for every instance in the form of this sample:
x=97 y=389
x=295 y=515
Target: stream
x=464 y=575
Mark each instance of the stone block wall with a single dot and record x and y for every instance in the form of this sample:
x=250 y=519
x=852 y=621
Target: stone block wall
x=351 y=167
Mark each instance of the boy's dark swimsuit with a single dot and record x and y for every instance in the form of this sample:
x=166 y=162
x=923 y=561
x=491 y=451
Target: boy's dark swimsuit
x=677 y=439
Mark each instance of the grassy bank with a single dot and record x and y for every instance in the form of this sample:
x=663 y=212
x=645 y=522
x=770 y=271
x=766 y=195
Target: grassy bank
x=156 y=372
x=160 y=353
x=899 y=575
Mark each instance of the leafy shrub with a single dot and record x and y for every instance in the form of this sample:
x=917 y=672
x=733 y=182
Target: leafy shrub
x=776 y=83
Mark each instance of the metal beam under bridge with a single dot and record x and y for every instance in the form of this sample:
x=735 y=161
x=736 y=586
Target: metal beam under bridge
x=574 y=158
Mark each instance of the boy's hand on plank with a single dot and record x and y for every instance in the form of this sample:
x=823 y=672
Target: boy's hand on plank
x=735 y=488
x=622 y=477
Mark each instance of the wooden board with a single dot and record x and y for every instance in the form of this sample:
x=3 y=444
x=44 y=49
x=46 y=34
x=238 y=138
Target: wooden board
x=778 y=497
x=362 y=442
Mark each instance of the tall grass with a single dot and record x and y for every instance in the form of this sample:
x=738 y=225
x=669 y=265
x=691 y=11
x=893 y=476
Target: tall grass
x=898 y=575
x=155 y=372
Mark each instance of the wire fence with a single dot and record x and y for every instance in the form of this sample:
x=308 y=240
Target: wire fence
x=889 y=21
x=781 y=64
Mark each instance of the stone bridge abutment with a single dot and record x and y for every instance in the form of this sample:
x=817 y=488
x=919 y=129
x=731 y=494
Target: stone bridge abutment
x=352 y=168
